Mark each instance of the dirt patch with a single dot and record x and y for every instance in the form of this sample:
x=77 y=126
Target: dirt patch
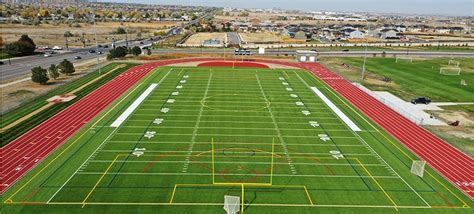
x=199 y=38
x=260 y=37
x=55 y=35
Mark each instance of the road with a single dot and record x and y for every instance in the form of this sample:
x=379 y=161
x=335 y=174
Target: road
x=22 y=66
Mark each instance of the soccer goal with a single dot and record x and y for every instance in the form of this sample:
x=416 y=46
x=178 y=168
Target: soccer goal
x=401 y=58
x=231 y=204
x=454 y=62
x=450 y=71
x=418 y=167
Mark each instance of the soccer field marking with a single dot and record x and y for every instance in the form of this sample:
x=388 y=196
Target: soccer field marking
x=99 y=148
x=232 y=102
x=133 y=106
x=380 y=158
x=282 y=141
x=100 y=179
x=236 y=152
x=196 y=127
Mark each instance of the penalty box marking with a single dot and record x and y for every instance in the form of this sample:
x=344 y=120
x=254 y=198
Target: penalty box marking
x=336 y=110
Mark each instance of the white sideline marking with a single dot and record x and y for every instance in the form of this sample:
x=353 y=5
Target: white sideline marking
x=132 y=107
x=336 y=110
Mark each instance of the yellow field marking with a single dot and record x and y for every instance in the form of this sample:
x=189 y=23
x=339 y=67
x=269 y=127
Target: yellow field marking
x=243 y=201
x=180 y=71
x=307 y=194
x=387 y=139
x=212 y=160
x=378 y=184
x=74 y=142
x=273 y=155
x=100 y=179
x=287 y=76
x=172 y=195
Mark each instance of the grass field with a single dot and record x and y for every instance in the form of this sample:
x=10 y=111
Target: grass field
x=420 y=78
x=203 y=133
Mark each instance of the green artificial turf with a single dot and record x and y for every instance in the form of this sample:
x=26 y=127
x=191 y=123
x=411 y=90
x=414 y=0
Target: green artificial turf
x=231 y=132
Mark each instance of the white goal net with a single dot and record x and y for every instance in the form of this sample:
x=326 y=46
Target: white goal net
x=453 y=62
x=231 y=204
x=450 y=70
x=406 y=59
x=418 y=167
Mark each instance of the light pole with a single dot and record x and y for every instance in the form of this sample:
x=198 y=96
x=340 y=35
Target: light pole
x=96 y=45
x=365 y=53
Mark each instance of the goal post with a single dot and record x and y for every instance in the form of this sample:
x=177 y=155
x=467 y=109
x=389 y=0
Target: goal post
x=231 y=204
x=403 y=58
x=450 y=71
x=418 y=167
x=454 y=62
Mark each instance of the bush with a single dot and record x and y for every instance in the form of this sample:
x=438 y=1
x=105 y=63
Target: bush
x=136 y=51
x=117 y=52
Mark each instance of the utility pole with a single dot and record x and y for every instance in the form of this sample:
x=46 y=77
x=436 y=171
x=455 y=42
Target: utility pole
x=365 y=53
x=96 y=45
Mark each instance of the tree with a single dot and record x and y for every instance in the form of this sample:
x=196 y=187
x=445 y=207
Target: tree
x=53 y=71
x=66 y=35
x=23 y=47
x=39 y=75
x=66 y=67
x=117 y=52
x=136 y=51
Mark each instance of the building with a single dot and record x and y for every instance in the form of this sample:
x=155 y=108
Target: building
x=389 y=34
x=306 y=56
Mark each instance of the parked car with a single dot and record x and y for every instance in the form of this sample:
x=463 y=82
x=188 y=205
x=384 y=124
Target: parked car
x=77 y=57
x=1 y=63
x=100 y=52
x=47 y=55
x=106 y=46
x=57 y=48
x=421 y=100
x=91 y=51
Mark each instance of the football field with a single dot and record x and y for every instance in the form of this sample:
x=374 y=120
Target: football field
x=279 y=139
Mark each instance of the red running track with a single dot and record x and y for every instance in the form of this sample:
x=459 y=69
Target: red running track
x=22 y=154
x=233 y=64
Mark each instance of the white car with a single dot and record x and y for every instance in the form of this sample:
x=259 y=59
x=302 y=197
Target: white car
x=57 y=48
x=47 y=55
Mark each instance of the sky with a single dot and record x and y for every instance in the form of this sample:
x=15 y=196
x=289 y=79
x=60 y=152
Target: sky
x=432 y=7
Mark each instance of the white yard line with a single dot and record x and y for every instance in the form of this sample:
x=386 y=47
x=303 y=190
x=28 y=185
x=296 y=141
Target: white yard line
x=238 y=135
x=196 y=128
x=282 y=141
x=232 y=143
